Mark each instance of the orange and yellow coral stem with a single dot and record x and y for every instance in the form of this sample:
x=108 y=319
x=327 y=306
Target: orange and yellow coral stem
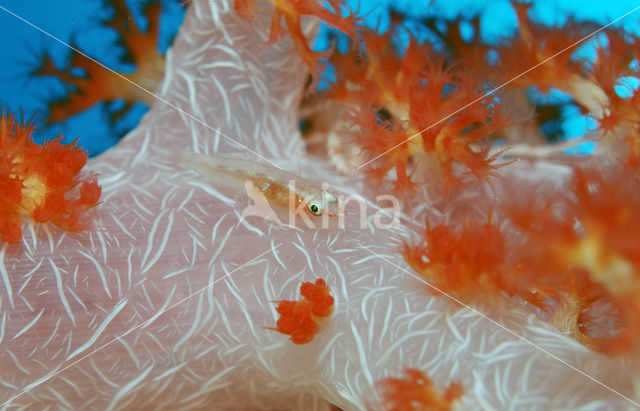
x=41 y=181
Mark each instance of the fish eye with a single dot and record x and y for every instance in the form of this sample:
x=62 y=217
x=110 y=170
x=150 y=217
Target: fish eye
x=315 y=207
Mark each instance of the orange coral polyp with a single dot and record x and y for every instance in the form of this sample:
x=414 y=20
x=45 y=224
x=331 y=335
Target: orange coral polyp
x=436 y=113
x=10 y=195
x=302 y=319
x=41 y=181
x=465 y=262
x=318 y=295
x=583 y=249
x=415 y=391
x=296 y=320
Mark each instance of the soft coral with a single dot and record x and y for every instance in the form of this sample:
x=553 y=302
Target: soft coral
x=41 y=181
x=438 y=114
x=291 y=11
x=582 y=250
x=566 y=255
x=468 y=263
x=89 y=83
x=416 y=391
x=302 y=319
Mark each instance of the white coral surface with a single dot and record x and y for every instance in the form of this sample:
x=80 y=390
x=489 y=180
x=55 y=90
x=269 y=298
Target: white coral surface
x=163 y=304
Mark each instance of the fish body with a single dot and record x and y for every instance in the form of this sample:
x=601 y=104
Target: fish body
x=281 y=189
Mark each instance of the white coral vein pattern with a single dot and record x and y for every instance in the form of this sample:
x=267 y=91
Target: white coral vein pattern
x=164 y=233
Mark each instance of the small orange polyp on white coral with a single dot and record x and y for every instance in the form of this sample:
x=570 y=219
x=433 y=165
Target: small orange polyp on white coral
x=415 y=391
x=41 y=181
x=302 y=319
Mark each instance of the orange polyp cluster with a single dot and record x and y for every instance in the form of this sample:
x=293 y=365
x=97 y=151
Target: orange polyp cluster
x=383 y=138
x=540 y=46
x=318 y=295
x=467 y=263
x=41 y=181
x=572 y=254
x=618 y=117
x=415 y=392
x=593 y=247
x=302 y=319
x=591 y=82
x=10 y=197
x=431 y=121
x=439 y=110
x=290 y=11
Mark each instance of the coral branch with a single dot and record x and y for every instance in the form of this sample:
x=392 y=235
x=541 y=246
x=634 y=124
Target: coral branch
x=291 y=11
x=88 y=83
x=417 y=104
